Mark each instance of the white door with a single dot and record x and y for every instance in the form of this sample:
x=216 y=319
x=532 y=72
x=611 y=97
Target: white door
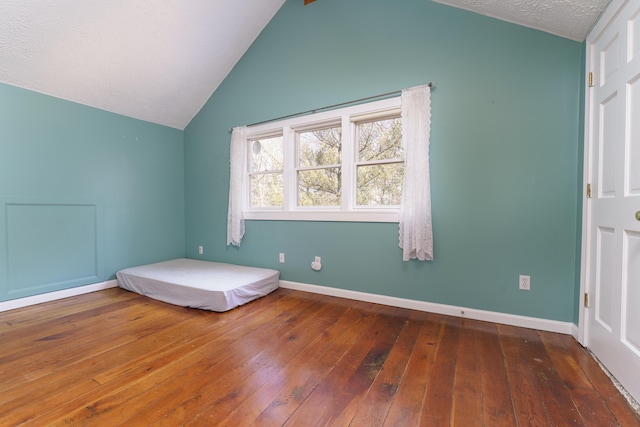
x=612 y=230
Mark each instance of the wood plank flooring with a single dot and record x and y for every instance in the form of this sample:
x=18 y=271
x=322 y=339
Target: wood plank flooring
x=291 y=358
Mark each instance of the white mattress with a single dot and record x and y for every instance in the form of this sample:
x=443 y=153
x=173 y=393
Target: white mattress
x=200 y=284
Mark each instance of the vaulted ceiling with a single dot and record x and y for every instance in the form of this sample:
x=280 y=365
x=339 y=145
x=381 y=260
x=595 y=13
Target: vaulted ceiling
x=157 y=61
x=160 y=61
x=571 y=19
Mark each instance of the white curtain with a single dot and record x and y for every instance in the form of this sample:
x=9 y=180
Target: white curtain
x=237 y=177
x=416 y=235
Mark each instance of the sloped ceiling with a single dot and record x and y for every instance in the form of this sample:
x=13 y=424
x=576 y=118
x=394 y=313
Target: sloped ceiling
x=571 y=19
x=160 y=60
x=154 y=60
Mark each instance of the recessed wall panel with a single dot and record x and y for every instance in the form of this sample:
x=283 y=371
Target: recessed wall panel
x=604 y=277
x=50 y=246
x=631 y=289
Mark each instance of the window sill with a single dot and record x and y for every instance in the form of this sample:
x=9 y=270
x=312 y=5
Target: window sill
x=337 y=216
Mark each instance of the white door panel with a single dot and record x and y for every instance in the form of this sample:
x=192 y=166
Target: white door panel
x=612 y=162
x=631 y=292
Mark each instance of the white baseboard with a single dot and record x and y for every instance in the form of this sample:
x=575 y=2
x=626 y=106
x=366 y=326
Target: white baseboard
x=575 y=331
x=52 y=296
x=470 y=313
x=450 y=310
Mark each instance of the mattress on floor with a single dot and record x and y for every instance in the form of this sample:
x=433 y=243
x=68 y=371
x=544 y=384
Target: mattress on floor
x=200 y=284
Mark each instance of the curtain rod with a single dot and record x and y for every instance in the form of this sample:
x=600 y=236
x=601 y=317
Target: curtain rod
x=331 y=107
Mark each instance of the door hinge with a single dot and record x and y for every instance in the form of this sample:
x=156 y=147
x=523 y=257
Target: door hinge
x=586 y=300
x=588 y=191
x=590 y=78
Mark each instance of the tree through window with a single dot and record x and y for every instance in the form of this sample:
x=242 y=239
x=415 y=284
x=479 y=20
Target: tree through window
x=319 y=167
x=345 y=164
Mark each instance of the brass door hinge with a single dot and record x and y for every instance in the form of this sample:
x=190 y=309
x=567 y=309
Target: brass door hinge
x=588 y=191
x=590 y=78
x=586 y=300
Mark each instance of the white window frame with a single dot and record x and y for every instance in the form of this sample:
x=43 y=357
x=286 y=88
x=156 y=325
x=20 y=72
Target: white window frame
x=348 y=117
x=251 y=172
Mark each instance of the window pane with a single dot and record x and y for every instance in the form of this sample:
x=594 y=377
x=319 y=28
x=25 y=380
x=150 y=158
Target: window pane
x=380 y=185
x=320 y=147
x=319 y=187
x=380 y=140
x=266 y=190
x=266 y=154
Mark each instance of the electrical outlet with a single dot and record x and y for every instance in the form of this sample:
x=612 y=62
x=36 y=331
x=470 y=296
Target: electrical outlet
x=525 y=283
x=200 y=250
x=282 y=257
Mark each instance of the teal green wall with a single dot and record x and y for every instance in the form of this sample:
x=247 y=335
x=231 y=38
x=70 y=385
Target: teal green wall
x=83 y=193
x=504 y=152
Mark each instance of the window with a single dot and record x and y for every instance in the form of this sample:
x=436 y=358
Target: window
x=380 y=162
x=319 y=166
x=340 y=165
x=265 y=172
x=352 y=164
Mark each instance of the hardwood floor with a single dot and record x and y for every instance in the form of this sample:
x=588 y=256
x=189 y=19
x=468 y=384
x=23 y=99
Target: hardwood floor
x=291 y=358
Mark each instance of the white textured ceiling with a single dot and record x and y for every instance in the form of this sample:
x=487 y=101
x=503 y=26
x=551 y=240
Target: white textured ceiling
x=571 y=19
x=155 y=60
x=160 y=60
